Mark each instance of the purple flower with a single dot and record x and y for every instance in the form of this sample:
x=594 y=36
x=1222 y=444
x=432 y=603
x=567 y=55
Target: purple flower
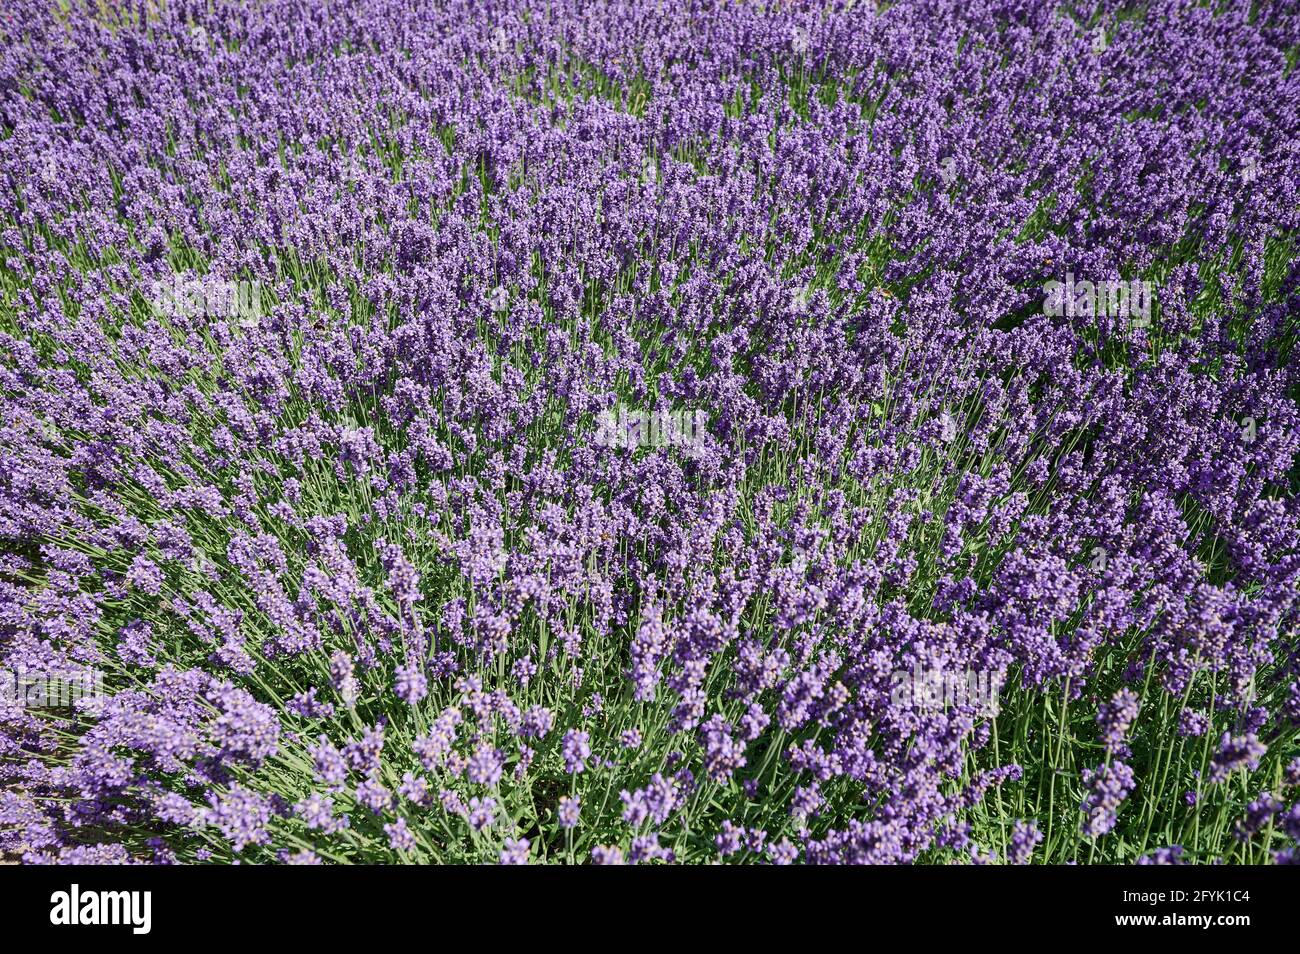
x=317 y=812
x=374 y=796
x=729 y=839
x=657 y=801
x=306 y=706
x=343 y=677
x=241 y=815
x=1192 y=723
x=1292 y=775
x=485 y=766
x=145 y=576
x=576 y=750
x=415 y=789
x=1259 y=813
x=434 y=747
x=807 y=801
x=330 y=766
x=537 y=722
x=1116 y=717
x=1108 y=786
x=400 y=836
x=569 y=811
x=1025 y=837
x=723 y=755
x=606 y=855
x=515 y=851
x=411 y=684
x=481 y=813
x=782 y=852
x=647 y=848
x=1236 y=752
x=1172 y=855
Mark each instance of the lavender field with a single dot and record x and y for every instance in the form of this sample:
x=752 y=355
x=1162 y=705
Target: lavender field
x=650 y=431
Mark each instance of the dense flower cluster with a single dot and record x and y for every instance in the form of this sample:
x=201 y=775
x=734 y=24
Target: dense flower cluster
x=314 y=312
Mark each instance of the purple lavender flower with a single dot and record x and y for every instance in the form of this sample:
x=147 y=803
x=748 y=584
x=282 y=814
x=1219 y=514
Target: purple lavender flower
x=400 y=836
x=723 y=755
x=569 y=811
x=1116 y=717
x=647 y=848
x=485 y=766
x=415 y=789
x=1025 y=837
x=481 y=813
x=577 y=749
x=1235 y=753
x=515 y=851
x=343 y=677
x=330 y=765
x=1172 y=855
x=783 y=852
x=1192 y=723
x=807 y=801
x=1289 y=822
x=729 y=839
x=372 y=794
x=241 y=815
x=537 y=722
x=1259 y=813
x=434 y=747
x=317 y=812
x=411 y=684
x=1108 y=786
x=607 y=855
x=145 y=576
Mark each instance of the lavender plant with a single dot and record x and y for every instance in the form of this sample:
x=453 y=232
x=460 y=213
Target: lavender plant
x=321 y=323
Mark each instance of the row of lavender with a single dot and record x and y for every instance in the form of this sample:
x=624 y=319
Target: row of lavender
x=664 y=430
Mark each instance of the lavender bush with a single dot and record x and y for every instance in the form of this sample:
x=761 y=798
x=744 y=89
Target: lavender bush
x=339 y=517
